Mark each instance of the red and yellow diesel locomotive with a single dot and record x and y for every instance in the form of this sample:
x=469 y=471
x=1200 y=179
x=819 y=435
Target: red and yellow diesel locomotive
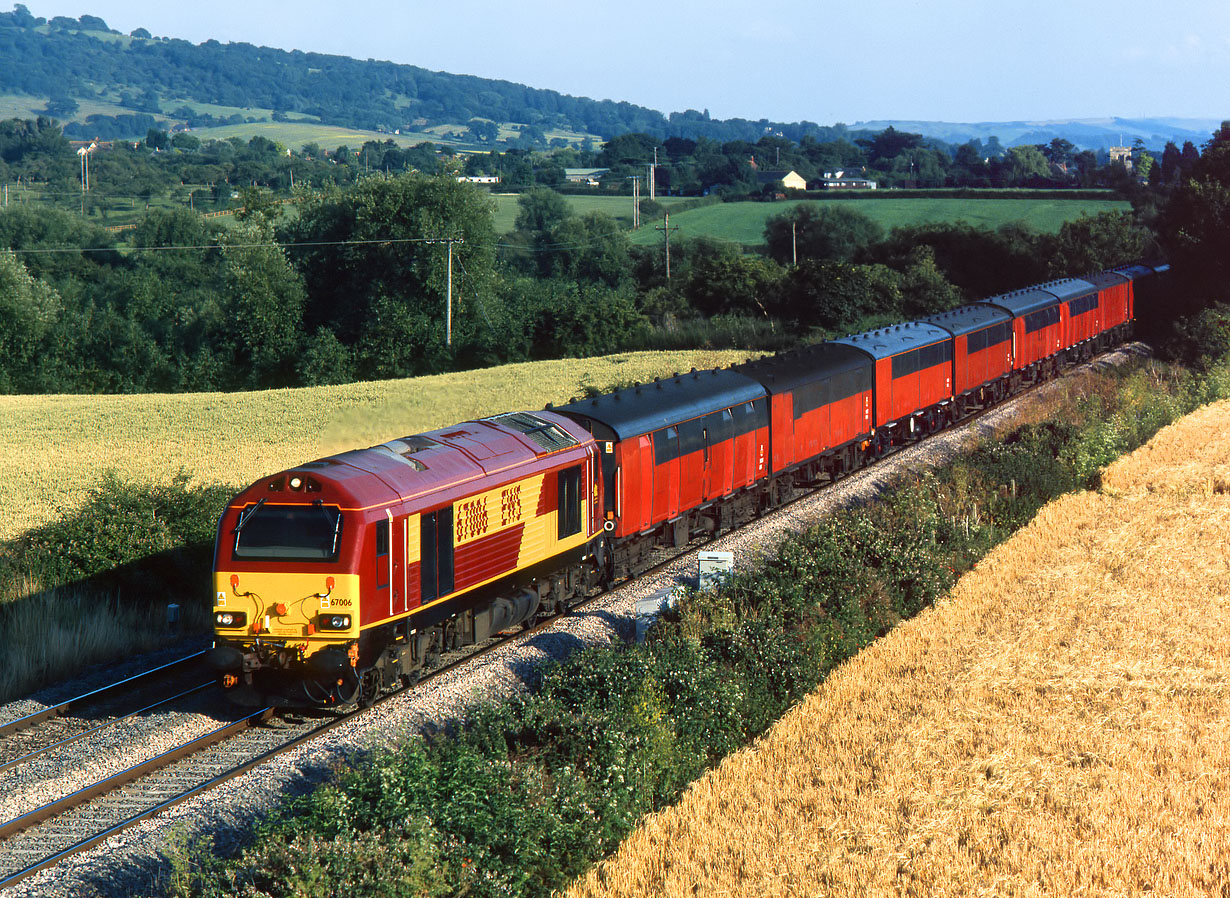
x=345 y=575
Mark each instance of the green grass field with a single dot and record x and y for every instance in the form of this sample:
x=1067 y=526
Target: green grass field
x=618 y=207
x=743 y=223
x=53 y=449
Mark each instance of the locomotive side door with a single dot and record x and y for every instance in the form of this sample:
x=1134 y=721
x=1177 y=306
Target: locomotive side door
x=436 y=540
x=397 y=576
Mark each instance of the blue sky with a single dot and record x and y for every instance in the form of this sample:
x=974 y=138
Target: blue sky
x=786 y=60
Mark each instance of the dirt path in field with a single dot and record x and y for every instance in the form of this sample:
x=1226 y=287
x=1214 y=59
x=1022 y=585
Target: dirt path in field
x=1058 y=725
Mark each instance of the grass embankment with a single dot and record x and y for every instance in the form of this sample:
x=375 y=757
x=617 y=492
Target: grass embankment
x=743 y=223
x=531 y=792
x=108 y=504
x=1057 y=725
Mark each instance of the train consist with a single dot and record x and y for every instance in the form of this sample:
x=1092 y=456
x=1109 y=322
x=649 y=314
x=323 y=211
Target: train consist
x=346 y=575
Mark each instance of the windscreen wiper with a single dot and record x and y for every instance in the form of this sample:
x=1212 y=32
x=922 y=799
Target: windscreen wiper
x=246 y=516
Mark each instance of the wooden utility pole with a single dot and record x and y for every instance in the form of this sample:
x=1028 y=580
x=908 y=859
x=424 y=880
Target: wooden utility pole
x=666 y=232
x=448 y=307
x=794 y=243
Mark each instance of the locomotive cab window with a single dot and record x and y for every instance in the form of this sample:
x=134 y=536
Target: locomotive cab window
x=570 y=502
x=295 y=532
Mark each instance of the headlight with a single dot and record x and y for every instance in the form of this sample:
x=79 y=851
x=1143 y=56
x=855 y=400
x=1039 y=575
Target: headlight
x=230 y=618
x=334 y=621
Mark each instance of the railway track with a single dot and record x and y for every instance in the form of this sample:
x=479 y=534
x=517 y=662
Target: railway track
x=42 y=836
x=45 y=835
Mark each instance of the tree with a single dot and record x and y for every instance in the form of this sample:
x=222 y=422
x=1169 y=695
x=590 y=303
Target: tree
x=889 y=144
x=1170 y=162
x=820 y=231
x=541 y=209
x=836 y=296
x=1060 y=151
x=1025 y=163
x=61 y=106
x=730 y=283
x=28 y=309
x=1099 y=242
x=1195 y=228
x=386 y=238
x=590 y=248
x=483 y=131
x=264 y=304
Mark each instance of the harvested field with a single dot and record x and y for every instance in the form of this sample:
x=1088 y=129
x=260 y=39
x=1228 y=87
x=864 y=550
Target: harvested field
x=1058 y=725
x=55 y=448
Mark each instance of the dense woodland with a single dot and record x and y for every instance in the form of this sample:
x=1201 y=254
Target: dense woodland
x=351 y=284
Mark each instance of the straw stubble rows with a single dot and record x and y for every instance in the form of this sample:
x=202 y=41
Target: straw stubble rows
x=1057 y=725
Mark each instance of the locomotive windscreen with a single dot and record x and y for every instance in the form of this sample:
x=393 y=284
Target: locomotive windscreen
x=298 y=532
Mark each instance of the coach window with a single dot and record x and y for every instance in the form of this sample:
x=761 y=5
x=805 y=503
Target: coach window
x=569 y=502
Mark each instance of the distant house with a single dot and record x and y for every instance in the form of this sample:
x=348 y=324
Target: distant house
x=839 y=180
x=791 y=180
x=588 y=176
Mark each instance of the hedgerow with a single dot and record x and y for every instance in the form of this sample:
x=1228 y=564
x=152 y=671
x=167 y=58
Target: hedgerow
x=523 y=796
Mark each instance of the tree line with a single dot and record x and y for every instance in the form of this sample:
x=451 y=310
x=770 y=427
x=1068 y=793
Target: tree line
x=353 y=284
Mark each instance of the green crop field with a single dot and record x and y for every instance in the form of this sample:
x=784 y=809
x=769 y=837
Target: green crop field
x=53 y=449
x=743 y=223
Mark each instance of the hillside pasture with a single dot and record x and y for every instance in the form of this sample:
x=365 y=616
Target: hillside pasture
x=1057 y=725
x=53 y=449
x=743 y=223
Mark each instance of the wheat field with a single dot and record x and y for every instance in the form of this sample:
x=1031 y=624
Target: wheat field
x=1058 y=725
x=54 y=448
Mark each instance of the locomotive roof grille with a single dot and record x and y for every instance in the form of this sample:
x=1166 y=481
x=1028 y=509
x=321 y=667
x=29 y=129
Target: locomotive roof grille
x=549 y=436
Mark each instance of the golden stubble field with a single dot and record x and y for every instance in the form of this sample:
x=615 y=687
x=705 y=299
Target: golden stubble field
x=1058 y=725
x=53 y=449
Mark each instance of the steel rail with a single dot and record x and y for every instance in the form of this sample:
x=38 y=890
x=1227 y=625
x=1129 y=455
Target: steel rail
x=24 y=723
x=109 y=784
x=7 y=765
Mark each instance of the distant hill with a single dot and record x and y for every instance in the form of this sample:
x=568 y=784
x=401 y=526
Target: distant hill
x=81 y=65
x=101 y=83
x=1087 y=134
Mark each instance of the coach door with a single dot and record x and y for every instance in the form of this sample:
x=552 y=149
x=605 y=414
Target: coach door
x=436 y=540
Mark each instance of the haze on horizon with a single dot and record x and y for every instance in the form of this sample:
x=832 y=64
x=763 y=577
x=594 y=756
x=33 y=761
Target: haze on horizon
x=784 y=60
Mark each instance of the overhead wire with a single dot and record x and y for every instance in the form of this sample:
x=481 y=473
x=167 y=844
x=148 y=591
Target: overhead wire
x=296 y=245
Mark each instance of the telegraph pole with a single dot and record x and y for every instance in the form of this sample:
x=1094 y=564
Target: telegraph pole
x=448 y=313
x=666 y=232
x=636 y=201
x=653 y=172
x=794 y=243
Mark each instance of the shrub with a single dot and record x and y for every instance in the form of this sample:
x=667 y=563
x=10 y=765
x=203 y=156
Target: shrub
x=155 y=538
